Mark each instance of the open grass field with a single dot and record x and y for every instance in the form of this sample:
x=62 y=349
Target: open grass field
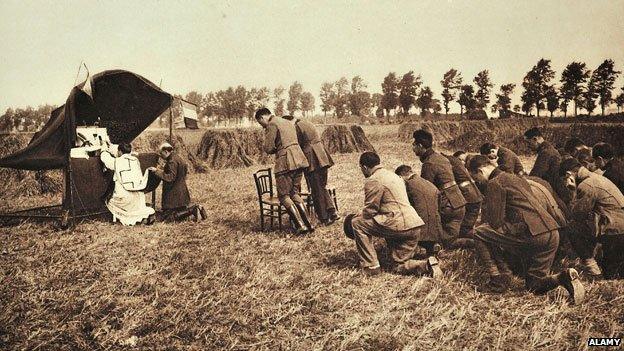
x=223 y=284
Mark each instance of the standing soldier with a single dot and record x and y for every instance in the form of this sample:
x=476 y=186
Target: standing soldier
x=438 y=170
x=518 y=222
x=319 y=162
x=471 y=194
x=506 y=159
x=176 y=200
x=281 y=139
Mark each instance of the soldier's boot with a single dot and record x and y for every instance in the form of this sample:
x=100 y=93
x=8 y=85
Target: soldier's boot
x=183 y=214
x=429 y=267
x=569 y=279
x=202 y=212
x=295 y=218
x=304 y=217
x=590 y=267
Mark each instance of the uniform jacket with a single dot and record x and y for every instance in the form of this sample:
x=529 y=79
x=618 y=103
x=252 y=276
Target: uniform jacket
x=510 y=203
x=423 y=196
x=465 y=182
x=386 y=201
x=508 y=161
x=175 y=192
x=438 y=170
x=312 y=146
x=599 y=200
x=614 y=171
x=281 y=139
x=547 y=163
x=552 y=203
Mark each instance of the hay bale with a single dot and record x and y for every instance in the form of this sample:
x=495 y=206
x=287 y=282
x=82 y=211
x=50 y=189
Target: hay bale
x=341 y=138
x=223 y=149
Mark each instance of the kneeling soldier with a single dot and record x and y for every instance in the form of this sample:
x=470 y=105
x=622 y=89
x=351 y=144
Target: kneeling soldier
x=598 y=216
x=388 y=214
x=517 y=222
x=281 y=139
x=423 y=196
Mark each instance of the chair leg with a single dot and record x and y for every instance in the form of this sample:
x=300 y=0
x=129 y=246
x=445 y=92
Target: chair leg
x=279 y=216
x=261 y=218
x=272 y=219
x=335 y=199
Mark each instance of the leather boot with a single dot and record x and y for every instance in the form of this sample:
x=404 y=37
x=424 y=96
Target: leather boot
x=569 y=279
x=295 y=217
x=304 y=217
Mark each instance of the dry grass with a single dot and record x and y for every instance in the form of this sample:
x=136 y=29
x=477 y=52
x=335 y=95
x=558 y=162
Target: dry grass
x=222 y=284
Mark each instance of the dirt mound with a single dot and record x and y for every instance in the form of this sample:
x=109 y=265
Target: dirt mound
x=16 y=182
x=150 y=141
x=341 y=138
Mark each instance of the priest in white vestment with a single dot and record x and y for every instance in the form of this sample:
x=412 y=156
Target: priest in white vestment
x=127 y=203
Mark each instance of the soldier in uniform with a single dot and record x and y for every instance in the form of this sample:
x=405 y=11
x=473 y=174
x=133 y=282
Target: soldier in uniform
x=598 y=217
x=388 y=214
x=280 y=139
x=506 y=159
x=519 y=223
x=423 y=196
x=612 y=167
x=319 y=162
x=438 y=170
x=471 y=194
x=176 y=199
x=546 y=164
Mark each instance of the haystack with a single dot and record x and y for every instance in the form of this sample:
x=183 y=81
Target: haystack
x=342 y=138
x=16 y=182
x=232 y=148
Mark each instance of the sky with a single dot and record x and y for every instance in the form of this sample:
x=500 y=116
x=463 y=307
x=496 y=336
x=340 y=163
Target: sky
x=211 y=45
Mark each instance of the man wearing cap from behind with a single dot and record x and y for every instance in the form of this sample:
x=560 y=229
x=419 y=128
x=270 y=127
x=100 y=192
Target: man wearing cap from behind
x=387 y=214
x=175 y=195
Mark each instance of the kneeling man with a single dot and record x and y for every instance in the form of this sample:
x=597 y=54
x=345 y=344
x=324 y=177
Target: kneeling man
x=388 y=214
x=176 y=200
x=516 y=221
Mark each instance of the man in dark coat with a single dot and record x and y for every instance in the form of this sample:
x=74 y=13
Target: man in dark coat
x=516 y=221
x=612 y=166
x=319 y=161
x=280 y=139
x=176 y=200
x=598 y=217
x=438 y=170
x=546 y=164
x=506 y=159
x=471 y=194
x=423 y=196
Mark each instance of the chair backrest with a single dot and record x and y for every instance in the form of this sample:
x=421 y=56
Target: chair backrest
x=264 y=182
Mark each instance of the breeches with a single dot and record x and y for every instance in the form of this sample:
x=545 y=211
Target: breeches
x=323 y=203
x=401 y=245
x=289 y=187
x=537 y=250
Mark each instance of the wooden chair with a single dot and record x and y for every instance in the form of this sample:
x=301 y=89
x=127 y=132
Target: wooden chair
x=269 y=203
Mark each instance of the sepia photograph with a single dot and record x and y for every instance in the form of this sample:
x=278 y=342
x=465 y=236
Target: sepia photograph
x=312 y=175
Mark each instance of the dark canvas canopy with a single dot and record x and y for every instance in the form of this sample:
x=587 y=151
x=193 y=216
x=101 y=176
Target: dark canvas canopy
x=123 y=102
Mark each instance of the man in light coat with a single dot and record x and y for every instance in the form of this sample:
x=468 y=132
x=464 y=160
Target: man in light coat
x=388 y=214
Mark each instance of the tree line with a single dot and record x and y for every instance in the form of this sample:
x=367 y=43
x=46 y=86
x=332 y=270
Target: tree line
x=577 y=86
